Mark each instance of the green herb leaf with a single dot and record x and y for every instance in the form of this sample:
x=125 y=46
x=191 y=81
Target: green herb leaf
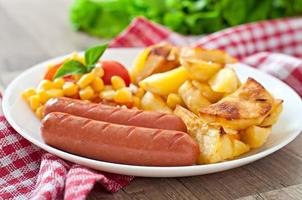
x=69 y=68
x=92 y=55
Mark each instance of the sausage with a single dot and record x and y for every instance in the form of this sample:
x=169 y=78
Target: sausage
x=116 y=115
x=118 y=143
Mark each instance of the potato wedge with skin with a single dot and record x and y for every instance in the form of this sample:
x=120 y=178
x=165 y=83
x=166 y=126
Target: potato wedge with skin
x=226 y=148
x=255 y=136
x=225 y=81
x=166 y=82
x=248 y=106
x=199 y=69
x=207 y=137
x=192 y=97
x=213 y=55
x=158 y=58
x=153 y=102
x=207 y=92
x=274 y=115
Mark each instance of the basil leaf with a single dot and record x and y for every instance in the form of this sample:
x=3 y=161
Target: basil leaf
x=69 y=68
x=92 y=55
x=90 y=67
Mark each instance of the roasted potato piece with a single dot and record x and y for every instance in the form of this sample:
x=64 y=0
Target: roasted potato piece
x=166 y=82
x=155 y=59
x=255 y=136
x=208 y=55
x=199 y=69
x=192 y=97
x=274 y=115
x=225 y=81
x=207 y=92
x=153 y=102
x=207 y=137
x=239 y=148
x=248 y=106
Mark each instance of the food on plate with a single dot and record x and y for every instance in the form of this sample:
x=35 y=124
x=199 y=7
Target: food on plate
x=225 y=81
x=192 y=97
x=248 y=106
x=256 y=136
x=118 y=143
x=213 y=144
x=169 y=89
x=117 y=115
x=166 y=82
x=153 y=102
x=155 y=59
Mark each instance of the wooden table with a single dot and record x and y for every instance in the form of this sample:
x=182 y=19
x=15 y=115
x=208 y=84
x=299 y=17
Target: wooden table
x=32 y=31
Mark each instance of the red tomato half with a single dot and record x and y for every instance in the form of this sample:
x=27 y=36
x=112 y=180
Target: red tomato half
x=52 y=71
x=113 y=68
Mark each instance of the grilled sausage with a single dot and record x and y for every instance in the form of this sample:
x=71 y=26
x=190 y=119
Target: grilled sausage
x=116 y=115
x=118 y=143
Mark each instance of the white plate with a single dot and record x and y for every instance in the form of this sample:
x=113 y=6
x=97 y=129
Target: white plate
x=23 y=120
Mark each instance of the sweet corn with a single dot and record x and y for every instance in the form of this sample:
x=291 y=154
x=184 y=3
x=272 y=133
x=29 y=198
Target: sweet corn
x=85 y=80
x=45 y=84
x=70 y=89
x=40 y=112
x=77 y=77
x=136 y=102
x=97 y=84
x=28 y=93
x=173 y=100
x=107 y=94
x=123 y=96
x=58 y=83
x=117 y=82
x=98 y=71
x=87 y=93
x=140 y=93
x=43 y=95
x=53 y=93
x=34 y=102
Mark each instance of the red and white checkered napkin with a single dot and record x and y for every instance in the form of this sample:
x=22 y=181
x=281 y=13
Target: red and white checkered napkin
x=28 y=172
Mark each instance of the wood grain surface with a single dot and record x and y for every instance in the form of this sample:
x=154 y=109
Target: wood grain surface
x=35 y=30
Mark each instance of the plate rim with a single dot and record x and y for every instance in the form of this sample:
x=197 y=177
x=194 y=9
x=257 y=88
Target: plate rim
x=132 y=169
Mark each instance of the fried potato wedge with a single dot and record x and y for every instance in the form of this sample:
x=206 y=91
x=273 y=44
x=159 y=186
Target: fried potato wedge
x=152 y=102
x=247 y=106
x=158 y=58
x=255 y=136
x=275 y=113
x=209 y=55
x=192 y=97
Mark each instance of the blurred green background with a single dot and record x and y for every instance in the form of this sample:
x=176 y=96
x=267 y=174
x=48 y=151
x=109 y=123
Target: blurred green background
x=107 y=18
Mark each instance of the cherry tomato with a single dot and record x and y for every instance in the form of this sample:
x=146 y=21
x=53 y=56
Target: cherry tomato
x=113 y=68
x=52 y=71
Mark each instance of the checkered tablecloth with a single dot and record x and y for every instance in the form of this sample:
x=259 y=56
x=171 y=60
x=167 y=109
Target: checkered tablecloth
x=27 y=172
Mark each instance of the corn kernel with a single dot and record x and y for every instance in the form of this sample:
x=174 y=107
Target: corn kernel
x=70 y=89
x=43 y=95
x=97 y=84
x=117 y=82
x=85 y=80
x=122 y=96
x=107 y=94
x=34 y=102
x=98 y=71
x=53 y=93
x=173 y=100
x=40 y=112
x=58 y=83
x=45 y=84
x=140 y=93
x=28 y=92
x=136 y=102
x=86 y=93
